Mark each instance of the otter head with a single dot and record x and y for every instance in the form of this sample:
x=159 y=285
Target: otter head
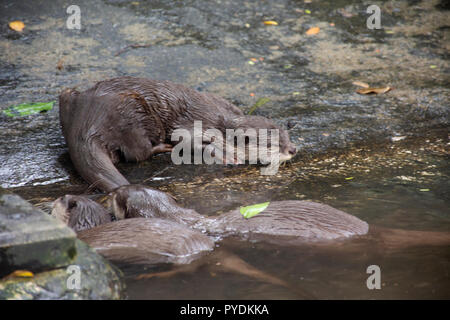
x=136 y=201
x=253 y=139
x=79 y=213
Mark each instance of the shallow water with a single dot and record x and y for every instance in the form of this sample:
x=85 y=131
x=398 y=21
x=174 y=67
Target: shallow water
x=389 y=197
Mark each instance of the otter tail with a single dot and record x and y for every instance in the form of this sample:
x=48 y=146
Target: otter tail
x=89 y=156
x=94 y=164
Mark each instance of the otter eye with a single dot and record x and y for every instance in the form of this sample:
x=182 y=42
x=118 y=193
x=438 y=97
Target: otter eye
x=72 y=204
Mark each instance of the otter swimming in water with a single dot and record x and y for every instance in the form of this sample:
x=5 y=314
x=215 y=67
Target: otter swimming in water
x=134 y=118
x=150 y=241
x=139 y=241
x=134 y=240
x=302 y=221
x=288 y=222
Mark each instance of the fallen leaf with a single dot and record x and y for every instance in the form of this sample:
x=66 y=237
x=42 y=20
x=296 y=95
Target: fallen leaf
x=433 y=66
x=25 y=109
x=247 y=25
x=17 y=25
x=373 y=90
x=424 y=190
x=60 y=64
x=312 y=31
x=251 y=62
x=308 y=11
x=254 y=59
x=332 y=24
x=270 y=23
x=20 y=274
x=252 y=94
x=253 y=210
x=349 y=178
x=361 y=84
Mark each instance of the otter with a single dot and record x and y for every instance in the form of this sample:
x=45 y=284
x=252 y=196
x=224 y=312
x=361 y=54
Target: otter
x=152 y=228
x=151 y=241
x=79 y=212
x=134 y=241
x=291 y=221
x=134 y=118
x=282 y=222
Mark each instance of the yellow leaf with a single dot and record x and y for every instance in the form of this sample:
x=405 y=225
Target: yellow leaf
x=21 y=274
x=270 y=23
x=373 y=90
x=349 y=178
x=313 y=30
x=17 y=25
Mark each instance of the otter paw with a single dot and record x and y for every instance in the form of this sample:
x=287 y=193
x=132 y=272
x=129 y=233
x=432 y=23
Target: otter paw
x=161 y=148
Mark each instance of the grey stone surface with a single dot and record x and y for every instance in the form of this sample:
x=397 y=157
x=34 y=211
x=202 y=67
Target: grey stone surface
x=98 y=280
x=32 y=240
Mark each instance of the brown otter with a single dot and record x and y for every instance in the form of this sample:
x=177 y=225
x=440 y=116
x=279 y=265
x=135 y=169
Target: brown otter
x=79 y=212
x=135 y=118
x=291 y=221
x=150 y=241
x=139 y=241
x=301 y=221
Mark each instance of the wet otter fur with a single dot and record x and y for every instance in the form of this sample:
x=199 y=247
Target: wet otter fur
x=79 y=212
x=133 y=118
x=297 y=221
x=135 y=241
x=283 y=222
x=151 y=241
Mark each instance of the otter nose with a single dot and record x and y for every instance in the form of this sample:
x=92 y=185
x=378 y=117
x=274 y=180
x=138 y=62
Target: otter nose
x=292 y=150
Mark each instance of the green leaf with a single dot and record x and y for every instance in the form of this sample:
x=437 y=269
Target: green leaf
x=253 y=210
x=26 y=109
x=259 y=103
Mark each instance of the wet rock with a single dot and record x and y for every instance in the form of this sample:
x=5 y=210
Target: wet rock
x=30 y=239
x=99 y=280
x=34 y=241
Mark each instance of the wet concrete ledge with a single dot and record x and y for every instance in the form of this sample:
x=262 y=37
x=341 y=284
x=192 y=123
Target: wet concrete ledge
x=32 y=240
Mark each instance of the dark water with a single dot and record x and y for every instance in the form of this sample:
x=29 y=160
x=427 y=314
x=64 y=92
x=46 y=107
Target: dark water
x=390 y=197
